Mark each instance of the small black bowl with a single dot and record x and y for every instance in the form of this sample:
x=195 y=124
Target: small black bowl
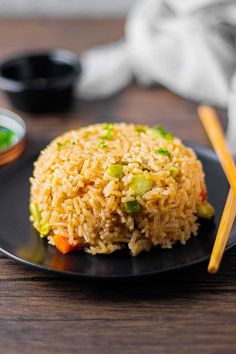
x=40 y=81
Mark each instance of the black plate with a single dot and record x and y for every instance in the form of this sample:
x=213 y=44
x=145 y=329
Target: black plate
x=19 y=241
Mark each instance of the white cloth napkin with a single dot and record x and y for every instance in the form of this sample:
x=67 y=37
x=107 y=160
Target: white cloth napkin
x=188 y=46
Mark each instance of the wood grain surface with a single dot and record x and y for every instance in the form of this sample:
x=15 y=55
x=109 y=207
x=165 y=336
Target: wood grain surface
x=185 y=312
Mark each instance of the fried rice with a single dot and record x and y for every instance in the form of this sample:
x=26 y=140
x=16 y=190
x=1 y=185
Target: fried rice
x=109 y=186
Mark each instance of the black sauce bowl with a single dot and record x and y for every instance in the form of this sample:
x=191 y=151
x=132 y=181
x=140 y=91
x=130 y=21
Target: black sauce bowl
x=41 y=81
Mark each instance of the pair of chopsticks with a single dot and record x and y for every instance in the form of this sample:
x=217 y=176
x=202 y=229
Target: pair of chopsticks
x=215 y=133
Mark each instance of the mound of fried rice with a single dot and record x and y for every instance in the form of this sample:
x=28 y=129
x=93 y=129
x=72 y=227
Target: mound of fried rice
x=79 y=199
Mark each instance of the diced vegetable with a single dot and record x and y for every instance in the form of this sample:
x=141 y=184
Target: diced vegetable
x=116 y=170
x=107 y=135
x=174 y=171
x=160 y=132
x=62 y=244
x=204 y=193
x=34 y=210
x=164 y=152
x=140 y=184
x=132 y=207
x=108 y=127
x=60 y=145
x=44 y=230
x=140 y=128
x=205 y=210
x=102 y=144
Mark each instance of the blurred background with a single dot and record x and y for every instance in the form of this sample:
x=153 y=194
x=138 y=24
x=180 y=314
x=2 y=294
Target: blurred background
x=64 y=8
x=76 y=25
x=154 y=70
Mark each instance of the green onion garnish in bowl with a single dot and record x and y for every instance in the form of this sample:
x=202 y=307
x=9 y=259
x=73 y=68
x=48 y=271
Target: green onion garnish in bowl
x=7 y=137
x=12 y=136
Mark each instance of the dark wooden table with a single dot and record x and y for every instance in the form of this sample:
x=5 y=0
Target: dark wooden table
x=185 y=312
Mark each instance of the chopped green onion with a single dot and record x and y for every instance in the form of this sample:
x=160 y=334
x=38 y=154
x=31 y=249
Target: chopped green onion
x=108 y=127
x=140 y=185
x=116 y=170
x=44 y=230
x=102 y=144
x=164 y=152
x=6 y=137
x=140 y=128
x=106 y=135
x=132 y=207
x=161 y=132
x=34 y=210
x=60 y=145
x=174 y=171
x=205 y=210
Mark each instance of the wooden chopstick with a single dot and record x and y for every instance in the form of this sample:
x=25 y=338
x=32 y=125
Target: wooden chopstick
x=226 y=224
x=214 y=131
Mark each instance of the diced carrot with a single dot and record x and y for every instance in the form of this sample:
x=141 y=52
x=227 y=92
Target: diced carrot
x=204 y=193
x=62 y=244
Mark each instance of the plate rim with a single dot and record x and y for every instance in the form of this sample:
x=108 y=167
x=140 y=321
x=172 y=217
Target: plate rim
x=113 y=276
